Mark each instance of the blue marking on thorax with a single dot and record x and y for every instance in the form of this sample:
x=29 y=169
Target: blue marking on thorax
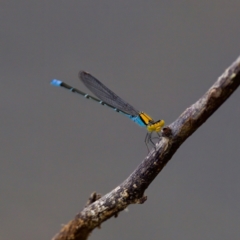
x=137 y=120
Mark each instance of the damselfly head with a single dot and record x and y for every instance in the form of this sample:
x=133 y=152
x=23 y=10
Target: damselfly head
x=155 y=126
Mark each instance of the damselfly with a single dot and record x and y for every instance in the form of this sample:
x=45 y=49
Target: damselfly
x=110 y=99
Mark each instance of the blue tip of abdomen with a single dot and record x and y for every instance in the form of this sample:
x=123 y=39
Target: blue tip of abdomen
x=56 y=82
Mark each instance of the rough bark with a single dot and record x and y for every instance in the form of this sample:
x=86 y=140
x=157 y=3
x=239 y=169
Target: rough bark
x=131 y=191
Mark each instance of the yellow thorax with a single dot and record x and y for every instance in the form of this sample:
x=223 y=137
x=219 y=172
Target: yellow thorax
x=150 y=124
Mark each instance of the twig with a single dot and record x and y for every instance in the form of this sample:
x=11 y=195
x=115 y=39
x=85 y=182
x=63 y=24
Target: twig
x=132 y=190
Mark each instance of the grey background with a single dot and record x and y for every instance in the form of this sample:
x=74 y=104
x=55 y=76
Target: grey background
x=56 y=147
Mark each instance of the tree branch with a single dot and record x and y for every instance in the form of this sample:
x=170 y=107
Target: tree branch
x=132 y=190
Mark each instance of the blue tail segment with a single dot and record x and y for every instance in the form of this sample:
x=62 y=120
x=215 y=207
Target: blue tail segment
x=56 y=82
